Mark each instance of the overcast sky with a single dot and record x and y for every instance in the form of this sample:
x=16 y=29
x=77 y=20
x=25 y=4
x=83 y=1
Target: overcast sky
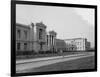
x=68 y=22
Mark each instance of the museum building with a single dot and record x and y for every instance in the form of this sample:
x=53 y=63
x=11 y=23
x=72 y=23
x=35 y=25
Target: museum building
x=34 y=37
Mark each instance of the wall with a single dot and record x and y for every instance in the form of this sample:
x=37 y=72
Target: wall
x=23 y=38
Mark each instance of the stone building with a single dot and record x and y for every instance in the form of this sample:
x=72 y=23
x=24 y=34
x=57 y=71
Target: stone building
x=77 y=44
x=31 y=37
x=40 y=37
x=60 y=45
x=23 y=42
x=51 y=39
x=34 y=37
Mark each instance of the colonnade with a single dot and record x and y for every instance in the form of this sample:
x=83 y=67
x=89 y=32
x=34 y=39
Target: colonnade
x=51 y=39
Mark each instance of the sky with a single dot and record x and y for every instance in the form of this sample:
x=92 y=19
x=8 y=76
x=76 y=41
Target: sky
x=67 y=22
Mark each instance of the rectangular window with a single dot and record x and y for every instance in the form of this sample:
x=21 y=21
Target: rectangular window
x=40 y=33
x=18 y=46
x=19 y=33
x=47 y=39
x=25 y=46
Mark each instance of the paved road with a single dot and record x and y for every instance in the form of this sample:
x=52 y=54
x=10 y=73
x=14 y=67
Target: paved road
x=35 y=63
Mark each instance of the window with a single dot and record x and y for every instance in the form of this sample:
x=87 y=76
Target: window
x=25 y=32
x=40 y=33
x=25 y=46
x=18 y=46
x=19 y=33
x=47 y=39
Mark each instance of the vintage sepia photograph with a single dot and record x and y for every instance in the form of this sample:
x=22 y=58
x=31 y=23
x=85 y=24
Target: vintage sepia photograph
x=54 y=38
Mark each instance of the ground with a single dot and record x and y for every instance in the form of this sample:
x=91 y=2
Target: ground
x=84 y=63
x=59 y=64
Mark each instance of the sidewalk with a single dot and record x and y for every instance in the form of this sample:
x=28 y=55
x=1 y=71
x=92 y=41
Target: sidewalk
x=45 y=58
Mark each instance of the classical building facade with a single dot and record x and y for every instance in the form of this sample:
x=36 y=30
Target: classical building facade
x=51 y=40
x=23 y=41
x=34 y=37
x=77 y=44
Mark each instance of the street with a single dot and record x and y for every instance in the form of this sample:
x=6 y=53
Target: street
x=33 y=64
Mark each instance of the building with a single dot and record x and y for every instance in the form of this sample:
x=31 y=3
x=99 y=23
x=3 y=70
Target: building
x=60 y=45
x=31 y=37
x=88 y=45
x=23 y=41
x=40 y=37
x=34 y=37
x=77 y=44
x=51 y=40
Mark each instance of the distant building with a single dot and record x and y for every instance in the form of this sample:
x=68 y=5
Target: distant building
x=60 y=45
x=77 y=44
x=88 y=45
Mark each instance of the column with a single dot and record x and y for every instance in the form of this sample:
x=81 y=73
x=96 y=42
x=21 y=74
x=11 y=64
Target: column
x=49 y=41
x=52 y=40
